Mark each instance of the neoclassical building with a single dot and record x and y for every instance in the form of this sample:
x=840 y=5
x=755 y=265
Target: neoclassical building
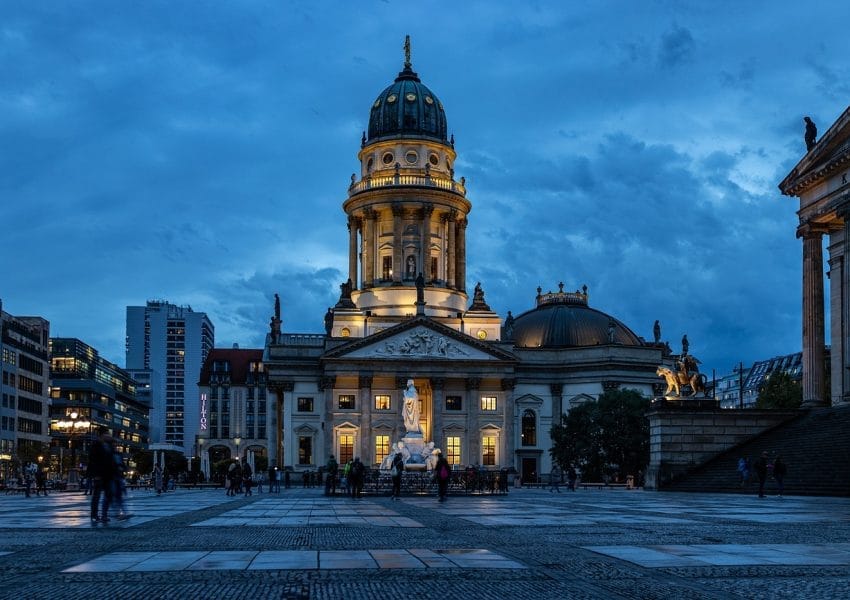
x=489 y=388
x=820 y=181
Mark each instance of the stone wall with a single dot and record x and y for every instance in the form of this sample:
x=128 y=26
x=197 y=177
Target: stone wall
x=682 y=437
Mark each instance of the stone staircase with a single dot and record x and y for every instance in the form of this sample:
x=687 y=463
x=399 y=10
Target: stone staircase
x=815 y=446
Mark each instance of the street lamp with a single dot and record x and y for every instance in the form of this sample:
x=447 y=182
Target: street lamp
x=72 y=426
x=237 y=441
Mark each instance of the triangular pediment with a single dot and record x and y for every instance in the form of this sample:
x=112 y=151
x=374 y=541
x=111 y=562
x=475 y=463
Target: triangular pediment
x=420 y=339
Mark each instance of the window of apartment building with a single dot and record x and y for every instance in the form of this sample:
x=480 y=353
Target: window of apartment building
x=453 y=450
x=29 y=405
x=435 y=274
x=305 y=450
x=213 y=391
x=29 y=426
x=346 y=447
x=305 y=405
x=488 y=403
x=9 y=356
x=454 y=403
x=346 y=401
x=382 y=402
x=529 y=428
x=261 y=426
x=488 y=450
x=382 y=448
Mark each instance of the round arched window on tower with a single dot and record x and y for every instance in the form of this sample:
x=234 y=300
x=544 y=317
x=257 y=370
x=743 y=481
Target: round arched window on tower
x=411 y=157
x=369 y=164
x=434 y=159
x=388 y=158
x=345 y=332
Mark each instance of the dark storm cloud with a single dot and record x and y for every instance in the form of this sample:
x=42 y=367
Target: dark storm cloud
x=201 y=153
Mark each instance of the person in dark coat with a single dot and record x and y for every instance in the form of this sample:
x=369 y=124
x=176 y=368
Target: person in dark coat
x=101 y=472
x=396 y=470
x=442 y=473
x=761 y=472
x=358 y=473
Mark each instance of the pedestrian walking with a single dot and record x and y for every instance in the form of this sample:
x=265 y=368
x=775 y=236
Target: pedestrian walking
x=395 y=472
x=157 y=479
x=779 y=471
x=442 y=473
x=358 y=473
x=40 y=480
x=572 y=476
x=346 y=477
x=761 y=472
x=330 y=481
x=555 y=479
x=101 y=471
x=234 y=478
x=247 y=477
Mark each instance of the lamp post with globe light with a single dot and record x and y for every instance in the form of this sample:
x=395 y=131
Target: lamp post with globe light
x=73 y=425
x=237 y=441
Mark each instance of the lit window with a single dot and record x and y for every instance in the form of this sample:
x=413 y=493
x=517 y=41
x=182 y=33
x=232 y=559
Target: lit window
x=387 y=267
x=382 y=448
x=346 y=448
x=382 y=402
x=346 y=401
x=488 y=447
x=454 y=403
x=453 y=450
x=488 y=403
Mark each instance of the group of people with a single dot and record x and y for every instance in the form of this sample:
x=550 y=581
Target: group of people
x=106 y=473
x=764 y=468
x=240 y=479
x=556 y=478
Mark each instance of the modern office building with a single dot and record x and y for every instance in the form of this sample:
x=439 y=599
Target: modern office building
x=24 y=388
x=489 y=388
x=236 y=411
x=172 y=342
x=88 y=392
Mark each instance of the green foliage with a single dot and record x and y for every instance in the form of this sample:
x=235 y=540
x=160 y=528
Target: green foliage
x=780 y=391
x=604 y=437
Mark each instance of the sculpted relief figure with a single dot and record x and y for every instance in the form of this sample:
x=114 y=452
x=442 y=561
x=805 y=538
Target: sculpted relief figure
x=410 y=412
x=421 y=343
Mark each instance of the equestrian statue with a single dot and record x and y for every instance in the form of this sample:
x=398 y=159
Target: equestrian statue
x=686 y=374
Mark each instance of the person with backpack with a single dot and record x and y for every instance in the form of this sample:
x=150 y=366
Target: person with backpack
x=442 y=473
x=395 y=472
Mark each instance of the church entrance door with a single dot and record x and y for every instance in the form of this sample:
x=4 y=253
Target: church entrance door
x=529 y=470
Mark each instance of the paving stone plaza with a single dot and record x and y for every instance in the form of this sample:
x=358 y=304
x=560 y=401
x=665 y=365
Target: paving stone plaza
x=528 y=544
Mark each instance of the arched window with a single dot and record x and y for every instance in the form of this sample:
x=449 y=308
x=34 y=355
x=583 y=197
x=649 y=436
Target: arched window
x=529 y=428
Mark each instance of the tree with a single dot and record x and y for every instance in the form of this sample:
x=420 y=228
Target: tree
x=780 y=391
x=603 y=437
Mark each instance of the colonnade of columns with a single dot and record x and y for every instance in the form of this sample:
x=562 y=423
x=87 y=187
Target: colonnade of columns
x=366 y=226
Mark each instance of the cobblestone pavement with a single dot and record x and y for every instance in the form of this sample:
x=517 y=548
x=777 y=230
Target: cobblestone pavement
x=528 y=544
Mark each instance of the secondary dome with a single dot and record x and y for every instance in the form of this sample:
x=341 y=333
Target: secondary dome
x=407 y=108
x=564 y=320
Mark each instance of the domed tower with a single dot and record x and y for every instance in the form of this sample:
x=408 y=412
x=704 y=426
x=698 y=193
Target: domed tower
x=407 y=215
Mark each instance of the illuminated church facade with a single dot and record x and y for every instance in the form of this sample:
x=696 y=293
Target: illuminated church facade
x=490 y=388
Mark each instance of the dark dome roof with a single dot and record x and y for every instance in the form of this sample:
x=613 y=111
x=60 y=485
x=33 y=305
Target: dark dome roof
x=407 y=108
x=564 y=320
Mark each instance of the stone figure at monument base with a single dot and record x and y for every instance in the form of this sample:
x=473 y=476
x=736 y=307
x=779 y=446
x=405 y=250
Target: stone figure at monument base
x=415 y=452
x=411 y=409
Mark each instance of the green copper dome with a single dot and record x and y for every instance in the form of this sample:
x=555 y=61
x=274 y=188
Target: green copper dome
x=407 y=108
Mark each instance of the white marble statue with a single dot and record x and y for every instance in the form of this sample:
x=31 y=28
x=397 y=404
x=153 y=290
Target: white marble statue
x=410 y=412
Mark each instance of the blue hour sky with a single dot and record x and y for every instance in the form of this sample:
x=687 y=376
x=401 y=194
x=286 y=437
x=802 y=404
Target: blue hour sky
x=200 y=152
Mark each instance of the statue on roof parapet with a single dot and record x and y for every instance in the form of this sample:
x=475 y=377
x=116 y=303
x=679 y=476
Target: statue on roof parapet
x=478 y=302
x=656 y=332
x=811 y=133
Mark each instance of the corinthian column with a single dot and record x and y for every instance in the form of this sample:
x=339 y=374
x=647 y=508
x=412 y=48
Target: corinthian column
x=425 y=243
x=461 y=255
x=368 y=248
x=813 y=324
x=353 y=226
x=449 y=220
x=398 y=260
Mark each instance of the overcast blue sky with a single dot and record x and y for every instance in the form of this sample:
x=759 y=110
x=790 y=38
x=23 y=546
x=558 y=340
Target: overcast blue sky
x=200 y=152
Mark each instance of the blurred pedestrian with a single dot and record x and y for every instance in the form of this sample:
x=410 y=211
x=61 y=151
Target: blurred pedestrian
x=395 y=472
x=442 y=473
x=101 y=472
x=555 y=479
x=761 y=472
x=779 y=471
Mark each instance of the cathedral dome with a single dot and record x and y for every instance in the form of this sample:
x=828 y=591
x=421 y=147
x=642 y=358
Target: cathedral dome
x=564 y=320
x=407 y=108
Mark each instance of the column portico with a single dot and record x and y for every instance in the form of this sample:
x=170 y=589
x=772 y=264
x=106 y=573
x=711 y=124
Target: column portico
x=365 y=385
x=449 y=219
x=353 y=226
x=461 y=255
x=813 y=317
x=368 y=248
x=398 y=259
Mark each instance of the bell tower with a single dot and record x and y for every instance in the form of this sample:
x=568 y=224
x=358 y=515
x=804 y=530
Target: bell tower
x=407 y=215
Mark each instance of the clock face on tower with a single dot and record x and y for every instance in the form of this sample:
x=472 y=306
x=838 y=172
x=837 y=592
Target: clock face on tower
x=482 y=335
